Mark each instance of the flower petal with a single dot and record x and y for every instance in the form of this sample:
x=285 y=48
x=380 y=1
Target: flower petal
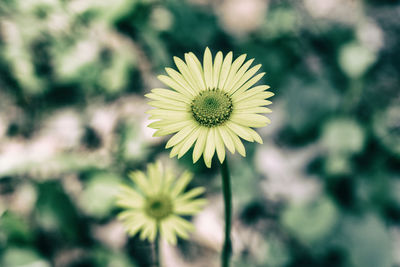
x=239 y=130
x=219 y=146
x=210 y=148
x=170 y=105
x=178 y=137
x=217 y=69
x=232 y=73
x=249 y=83
x=246 y=76
x=167 y=232
x=161 y=94
x=181 y=184
x=251 y=92
x=184 y=69
x=172 y=128
x=252 y=110
x=191 y=194
x=129 y=198
x=140 y=179
x=189 y=141
x=172 y=83
x=252 y=103
x=239 y=74
x=196 y=70
x=200 y=144
x=226 y=138
x=178 y=78
x=226 y=66
x=250 y=120
x=208 y=68
x=238 y=144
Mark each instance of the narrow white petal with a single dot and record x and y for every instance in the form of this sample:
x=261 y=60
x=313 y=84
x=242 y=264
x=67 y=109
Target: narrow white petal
x=189 y=141
x=210 y=147
x=178 y=137
x=261 y=95
x=219 y=146
x=232 y=73
x=252 y=92
x=238 y=144
x=253 y=110
x=190 y=208
x=249 y=83
x=172 y=115
x=154 y=173
x=172 y=83
x=178 y=78
x=181 y=184
x=250 y=120
x=188 y=196
x=240 y=131
x=208 y=68
x=200 y=143
x=175 y=150
x=183 y=68
x=177 y=97
x=173 y=128
x=217 y=69
x=167 y=231
x=167 y=123
x=245 y=78
x=255 y=136
x=171 y=94
x=226 y=138
x=140 y=179
x=195 y=71
x=170 y=104
x=252 y=103
x=239 y=74
x=226 y=66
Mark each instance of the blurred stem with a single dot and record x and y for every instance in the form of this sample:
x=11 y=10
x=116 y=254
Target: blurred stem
x=156 y=251
x=226 y=188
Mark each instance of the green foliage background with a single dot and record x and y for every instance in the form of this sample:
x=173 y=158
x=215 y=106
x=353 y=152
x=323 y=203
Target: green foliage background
x=323 y=190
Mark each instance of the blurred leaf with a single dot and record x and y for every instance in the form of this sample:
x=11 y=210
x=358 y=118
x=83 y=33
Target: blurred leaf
x=277 y=254
x=22 y=257
x=309 y=104
x=104 y=258
x=387 y=128
x=15 y=228
x=55 y=212
x=367 y=241
x=131 y=147
x=343 y=136
x=355 y=59
x=97 y=198
x=278 y=22
x=312 y=221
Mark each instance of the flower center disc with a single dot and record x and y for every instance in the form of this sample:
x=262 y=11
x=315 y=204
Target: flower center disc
x=158 y=207
x=211 y=107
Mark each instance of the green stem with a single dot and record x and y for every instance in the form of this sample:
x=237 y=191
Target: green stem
x=226 y=188
x=156 y=251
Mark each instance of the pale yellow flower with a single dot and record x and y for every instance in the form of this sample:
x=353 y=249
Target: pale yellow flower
x=157 y=203
x=210 y=105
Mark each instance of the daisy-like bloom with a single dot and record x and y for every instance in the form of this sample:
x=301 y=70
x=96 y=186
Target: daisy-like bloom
x=210 y=105
x=157 y=202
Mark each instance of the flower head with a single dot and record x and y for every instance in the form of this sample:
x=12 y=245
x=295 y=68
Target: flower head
x=157 y=203
x=210 y=106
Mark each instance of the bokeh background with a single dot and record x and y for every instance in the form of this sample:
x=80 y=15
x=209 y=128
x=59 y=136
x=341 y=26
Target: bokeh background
x=323 y=189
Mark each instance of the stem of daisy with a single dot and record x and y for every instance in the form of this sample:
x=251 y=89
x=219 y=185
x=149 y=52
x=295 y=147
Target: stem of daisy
x=156 y=251
x=226 y=188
